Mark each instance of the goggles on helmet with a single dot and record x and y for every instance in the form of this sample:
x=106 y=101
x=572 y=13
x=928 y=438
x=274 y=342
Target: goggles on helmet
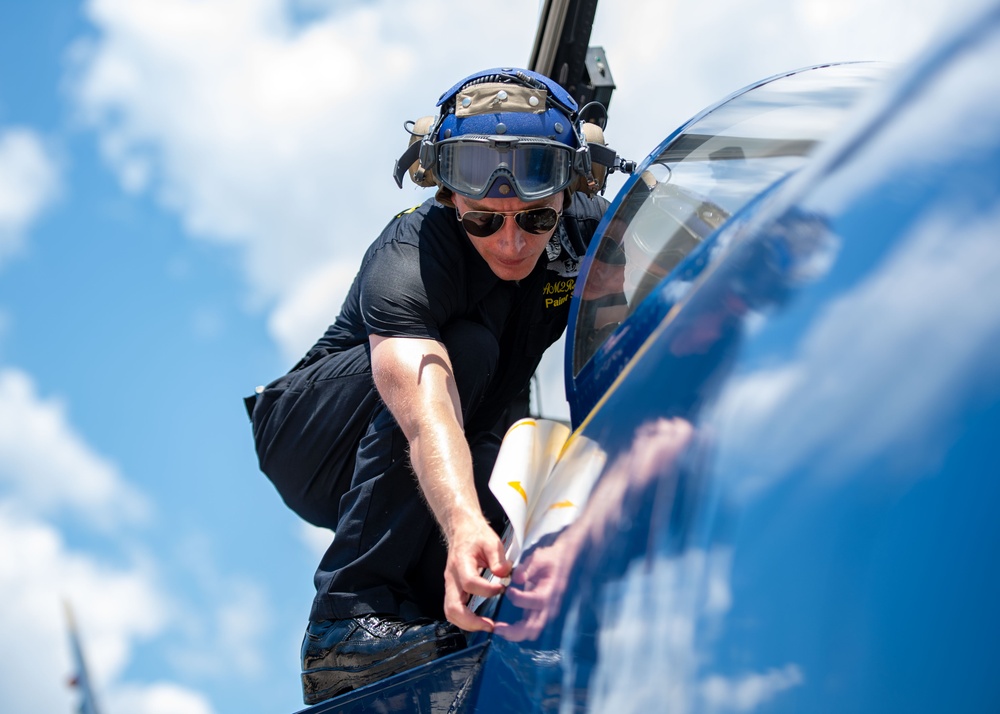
x=536 y=167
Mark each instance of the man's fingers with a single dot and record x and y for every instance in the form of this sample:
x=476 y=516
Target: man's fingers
x=516 y=632
x=463 y=618
x=470 y=578
x=473 y=583
x=528 y=600
x=459 y=614
x=499 y=564
x=527 y=629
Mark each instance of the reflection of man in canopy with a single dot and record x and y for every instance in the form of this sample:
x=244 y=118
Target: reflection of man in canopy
x=665 y=229
x=538 y=585
x=696 y=350
x=656 y=227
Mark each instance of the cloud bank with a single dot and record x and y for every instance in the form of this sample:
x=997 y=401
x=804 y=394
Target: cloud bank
x=48 y=468
x=29 y=181
x=272 y=126
x=50 y=477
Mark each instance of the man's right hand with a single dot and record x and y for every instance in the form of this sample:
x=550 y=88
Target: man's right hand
x=472 y=546
x=415 y=379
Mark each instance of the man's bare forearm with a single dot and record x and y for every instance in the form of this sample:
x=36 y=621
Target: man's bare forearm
x=440 y=457
x=416 y=381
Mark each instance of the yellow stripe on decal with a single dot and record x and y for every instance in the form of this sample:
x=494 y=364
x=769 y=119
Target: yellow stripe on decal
x=516 y=485
x=408 y=210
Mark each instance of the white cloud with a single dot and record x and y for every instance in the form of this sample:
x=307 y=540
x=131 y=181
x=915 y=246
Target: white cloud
x=788 y=414
x=309 y=306
x=226 y=640
x=658 y=624
x=46 y=471
x=28 y=183
x=697 y=54
x=223 y=635
x=278 y=137
x=49 y=468
x=114 y=607
x=749 y=692
x=5 y=321
x=316 y=539
x=158 y=698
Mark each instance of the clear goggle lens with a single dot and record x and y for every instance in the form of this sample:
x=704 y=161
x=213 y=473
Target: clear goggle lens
x=536 y=169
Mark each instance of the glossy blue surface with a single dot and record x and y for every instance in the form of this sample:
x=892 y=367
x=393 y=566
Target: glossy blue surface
x=701 y=175
x=827 y=541
x=798 y=508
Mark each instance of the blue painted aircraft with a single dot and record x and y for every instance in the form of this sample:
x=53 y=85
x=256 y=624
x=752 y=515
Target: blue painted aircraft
x=778 y=491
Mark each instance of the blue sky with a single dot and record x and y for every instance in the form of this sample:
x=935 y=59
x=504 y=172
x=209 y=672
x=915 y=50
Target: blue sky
x=185 y=189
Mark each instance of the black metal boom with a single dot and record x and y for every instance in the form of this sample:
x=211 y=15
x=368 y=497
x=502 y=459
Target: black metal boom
x=562 y=51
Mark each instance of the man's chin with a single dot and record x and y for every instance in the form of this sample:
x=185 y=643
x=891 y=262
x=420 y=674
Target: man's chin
x=514 y=277
x=507 y=271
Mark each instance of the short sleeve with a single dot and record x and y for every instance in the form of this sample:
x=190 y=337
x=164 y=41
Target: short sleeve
x=404 y=294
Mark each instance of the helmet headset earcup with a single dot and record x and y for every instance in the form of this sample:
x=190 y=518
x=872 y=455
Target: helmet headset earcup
x=593 y=134
x=422 y=176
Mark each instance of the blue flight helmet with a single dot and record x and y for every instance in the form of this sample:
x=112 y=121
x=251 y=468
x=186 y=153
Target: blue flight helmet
x=506 y=132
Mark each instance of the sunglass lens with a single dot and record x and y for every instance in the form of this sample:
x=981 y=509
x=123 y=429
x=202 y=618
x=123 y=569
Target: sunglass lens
x=538 y=220
x=482 y=223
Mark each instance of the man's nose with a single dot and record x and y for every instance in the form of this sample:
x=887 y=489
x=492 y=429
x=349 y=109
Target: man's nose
x=511 y=237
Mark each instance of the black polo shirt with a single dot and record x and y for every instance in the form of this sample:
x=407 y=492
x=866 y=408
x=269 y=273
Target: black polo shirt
x=423 y=273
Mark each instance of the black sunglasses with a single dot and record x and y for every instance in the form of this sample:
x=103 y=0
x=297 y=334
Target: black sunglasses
x=482 y=224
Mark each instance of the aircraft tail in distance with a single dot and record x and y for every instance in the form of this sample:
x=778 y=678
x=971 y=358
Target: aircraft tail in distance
x=80 y=679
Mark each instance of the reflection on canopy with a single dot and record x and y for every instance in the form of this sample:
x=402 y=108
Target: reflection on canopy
x=698 y=180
